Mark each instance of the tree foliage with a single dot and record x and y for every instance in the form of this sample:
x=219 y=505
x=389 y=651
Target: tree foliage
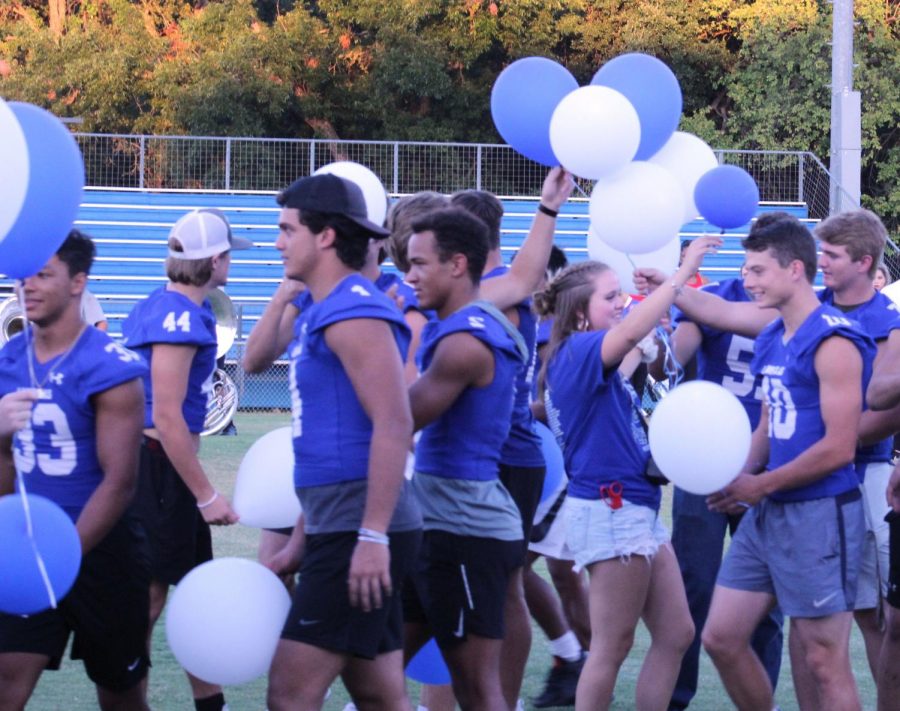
x=755 y=73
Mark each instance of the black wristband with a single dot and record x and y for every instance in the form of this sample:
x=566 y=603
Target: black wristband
x=547 y=211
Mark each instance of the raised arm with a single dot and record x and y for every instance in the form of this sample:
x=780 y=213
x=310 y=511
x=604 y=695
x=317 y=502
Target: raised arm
x=643 y=318
x=119 y=423
x=371 y=360
x=527 y=270
x=272 y=333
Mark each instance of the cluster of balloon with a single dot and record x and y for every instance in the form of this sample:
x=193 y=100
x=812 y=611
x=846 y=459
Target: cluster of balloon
x=42 y=174
x=620 y=131
x=700 y=436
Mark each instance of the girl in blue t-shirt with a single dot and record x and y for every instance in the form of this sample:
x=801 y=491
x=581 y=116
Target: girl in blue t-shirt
x=613 y=527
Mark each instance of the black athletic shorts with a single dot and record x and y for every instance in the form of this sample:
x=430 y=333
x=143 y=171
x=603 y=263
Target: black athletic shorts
x=107 y=609
x=459 y=586
x=179 y=538
x=893 y=594
x=524 y=484
x=321 y=614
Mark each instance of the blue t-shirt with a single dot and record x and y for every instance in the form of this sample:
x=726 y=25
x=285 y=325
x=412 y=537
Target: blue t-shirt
x=57 y=452
x=465 y=441
x=791 y=391
x=724 y=357
x=332 y=433
x=593 y=412
x=523 y=445
x=170 y=317
x=878 y=317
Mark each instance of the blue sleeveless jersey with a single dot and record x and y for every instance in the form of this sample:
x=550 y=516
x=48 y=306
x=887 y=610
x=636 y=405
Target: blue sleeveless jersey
x=465 y=441
x=791 y=391
x=57 y=452
x=331 y=431
x=593 y=412
x=877 y=317
x=169 y=317
x=724 y=358
x=523 y=446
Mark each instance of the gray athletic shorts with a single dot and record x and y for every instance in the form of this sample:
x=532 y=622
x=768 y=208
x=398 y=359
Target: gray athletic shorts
x=805 y=553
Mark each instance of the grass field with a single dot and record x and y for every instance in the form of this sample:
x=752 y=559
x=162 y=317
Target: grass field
x=69 y=689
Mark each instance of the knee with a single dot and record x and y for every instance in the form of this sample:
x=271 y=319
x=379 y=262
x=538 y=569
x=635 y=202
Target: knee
x=719 y=643
x=614 y=648
x=824 y=662
x=681 y=634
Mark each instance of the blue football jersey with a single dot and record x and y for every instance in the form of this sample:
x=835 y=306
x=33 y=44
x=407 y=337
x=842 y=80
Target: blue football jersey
x=878 y=317
x=57 y=452
x=724 y=358
x=593 y=413
x=172 y=318
x=791 y=391
x=331 y=431
x=465 y=441
x=523 y=445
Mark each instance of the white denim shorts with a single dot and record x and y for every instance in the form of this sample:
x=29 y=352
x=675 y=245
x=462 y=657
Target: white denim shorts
x=596 y=532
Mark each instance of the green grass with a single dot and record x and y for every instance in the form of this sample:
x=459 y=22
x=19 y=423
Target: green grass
x=69 y=689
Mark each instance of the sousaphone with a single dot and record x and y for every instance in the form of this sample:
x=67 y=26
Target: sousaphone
x=223 y=400
x=12 y=321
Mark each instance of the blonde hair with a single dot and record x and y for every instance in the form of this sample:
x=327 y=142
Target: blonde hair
x=860 y=231
x=566 y=299
x=193 y=272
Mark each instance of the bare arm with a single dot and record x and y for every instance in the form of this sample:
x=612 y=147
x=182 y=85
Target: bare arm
x=875 y=426
x=170 y=365
x=119 y=423
x=367 y=350
x=460 y=360
x=643 y=318
x=272 y=333
x=884 y=387
x=416 y=321
x=526 y=272
x=839 y=367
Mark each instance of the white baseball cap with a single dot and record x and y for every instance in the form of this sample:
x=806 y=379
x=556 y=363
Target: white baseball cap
x=205 y=233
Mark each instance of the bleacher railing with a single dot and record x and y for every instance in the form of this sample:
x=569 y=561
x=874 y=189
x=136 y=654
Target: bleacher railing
x=266 y=164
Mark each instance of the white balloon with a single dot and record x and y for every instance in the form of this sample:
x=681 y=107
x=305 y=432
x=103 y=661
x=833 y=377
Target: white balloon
x=687 y=158
x=700 y=436
x=892 y=291
x=665 y=259
x=224 y=620
x=637 y=210
x=372 y=189
x=264 y=494
x=594 y=131
x=15 y=169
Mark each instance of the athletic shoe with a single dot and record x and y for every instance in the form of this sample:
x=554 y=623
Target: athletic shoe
x=559 y=689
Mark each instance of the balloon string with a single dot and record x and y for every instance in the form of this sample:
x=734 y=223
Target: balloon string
x=580 y=189
x=672 y=368
x=20 y=478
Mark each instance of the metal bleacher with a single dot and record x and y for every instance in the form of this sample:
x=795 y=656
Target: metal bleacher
x=130 y=230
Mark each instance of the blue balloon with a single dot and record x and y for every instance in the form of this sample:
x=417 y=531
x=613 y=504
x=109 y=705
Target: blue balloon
x=55 y=189
x=727 y=196
x=23 y=590
x=522 y=103
x=553 y=458
x=428 y=666
x=652 y=89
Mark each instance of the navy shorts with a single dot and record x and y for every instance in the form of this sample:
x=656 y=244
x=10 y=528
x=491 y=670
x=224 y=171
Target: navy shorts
x=178 y=537
x=107 y=610
x=321 y=614
x=893 y=594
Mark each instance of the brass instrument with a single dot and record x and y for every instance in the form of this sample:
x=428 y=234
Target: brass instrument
x=223 y=400
x=12 y=320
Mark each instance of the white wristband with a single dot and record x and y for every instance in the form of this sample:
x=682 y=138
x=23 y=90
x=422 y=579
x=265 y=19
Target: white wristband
x=208 y=503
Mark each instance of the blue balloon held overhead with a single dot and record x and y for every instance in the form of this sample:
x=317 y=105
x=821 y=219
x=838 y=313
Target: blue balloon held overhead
x=428 y=666
x=652 y=89
x=727 y=196
x=553 y=459
x=54 y=192
x=24 y=590
x=522 y=103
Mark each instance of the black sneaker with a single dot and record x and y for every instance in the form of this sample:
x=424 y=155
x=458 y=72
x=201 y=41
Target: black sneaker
x=559 y=689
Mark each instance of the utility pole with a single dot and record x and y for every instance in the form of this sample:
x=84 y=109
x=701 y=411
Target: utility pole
x=846 y=114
